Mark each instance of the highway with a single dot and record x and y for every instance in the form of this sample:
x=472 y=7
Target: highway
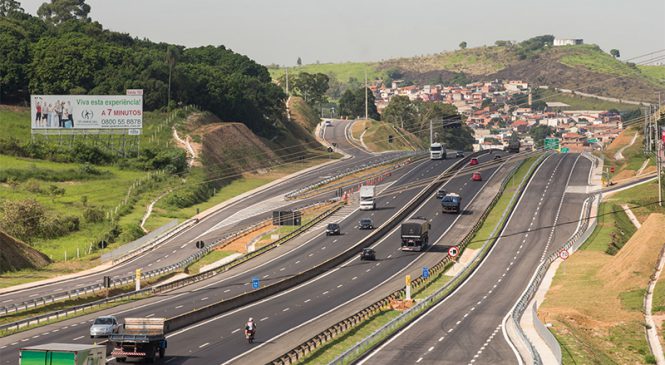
x=220 y=339
x=227 y=219
x=466 y=327
x=282 y=263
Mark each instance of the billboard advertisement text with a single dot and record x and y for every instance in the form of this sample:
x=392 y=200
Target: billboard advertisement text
x=86 y=111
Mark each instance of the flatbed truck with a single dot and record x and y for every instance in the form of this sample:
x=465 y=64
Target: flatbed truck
x=140 y=338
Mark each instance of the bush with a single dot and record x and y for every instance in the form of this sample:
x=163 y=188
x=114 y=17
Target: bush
x=57 y=226
x=93 y=214
x=22 y=218
x=33 y=186
x=131 y=232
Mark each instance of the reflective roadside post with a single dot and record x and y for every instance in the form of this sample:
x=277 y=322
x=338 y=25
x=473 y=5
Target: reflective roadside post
x=408 y=287
x=137 y=279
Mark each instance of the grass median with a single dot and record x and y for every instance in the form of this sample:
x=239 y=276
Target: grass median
x=432 y=286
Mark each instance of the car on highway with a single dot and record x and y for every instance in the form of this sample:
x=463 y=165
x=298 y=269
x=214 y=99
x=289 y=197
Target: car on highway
x=459 y=154
x=368 y=254
x=473 y=162
x=104 y=326
x=476 y=176
x=441 y=193
x=497 y=157
x=366 y=223
x=333 y=229
x=328 y=123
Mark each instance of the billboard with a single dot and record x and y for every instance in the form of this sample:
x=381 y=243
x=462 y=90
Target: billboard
x=86 y=111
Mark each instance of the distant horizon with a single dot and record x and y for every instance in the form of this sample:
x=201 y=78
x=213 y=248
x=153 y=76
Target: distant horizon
x=346 y=31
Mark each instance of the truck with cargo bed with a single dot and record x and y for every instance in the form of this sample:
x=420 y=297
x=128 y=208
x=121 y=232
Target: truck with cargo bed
x=451 y=203
x=140 y=338
x=62 y=354
x=367 y=194
x=415 y=234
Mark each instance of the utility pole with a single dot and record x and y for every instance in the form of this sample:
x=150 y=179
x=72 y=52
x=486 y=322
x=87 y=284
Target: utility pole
x=287 y=81
x=366 y=108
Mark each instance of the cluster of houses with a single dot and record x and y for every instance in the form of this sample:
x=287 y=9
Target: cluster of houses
x=488 y=110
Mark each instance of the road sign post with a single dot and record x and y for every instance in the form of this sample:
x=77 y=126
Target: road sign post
x=255 y=283
x=453 y=252
x=425 y=272
x=408 y=287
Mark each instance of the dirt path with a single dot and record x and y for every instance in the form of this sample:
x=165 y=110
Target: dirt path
x=149 y=210
x=619 y=155
x=185 y=144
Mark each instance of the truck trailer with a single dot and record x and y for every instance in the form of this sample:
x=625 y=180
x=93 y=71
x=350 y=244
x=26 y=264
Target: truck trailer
x=415 y=234
x=141 y=338
x=367 y=193
x=437 y=151
x=62 y=354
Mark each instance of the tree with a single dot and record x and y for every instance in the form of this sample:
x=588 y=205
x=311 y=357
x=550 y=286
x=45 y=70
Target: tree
x=400 y=112
x=10 y=7
x=539 y=105
x=539 y=132
x=615 y=53
x=352 y=104
x=463 y=45
x=299 y=61
x=22 y=218
x=60 y=11
x=171 y=60
x=312 y=86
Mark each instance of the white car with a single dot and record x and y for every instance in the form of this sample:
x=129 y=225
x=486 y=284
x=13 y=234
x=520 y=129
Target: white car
x=328 y=123
x=104 y=326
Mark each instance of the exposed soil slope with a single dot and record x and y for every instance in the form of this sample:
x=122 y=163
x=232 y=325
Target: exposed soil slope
x=16 y=255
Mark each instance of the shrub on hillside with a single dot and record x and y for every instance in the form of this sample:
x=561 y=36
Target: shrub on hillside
x=58 y=226
x=32 y=186
x=22 y=218
x=93 y=214
x=190 y=195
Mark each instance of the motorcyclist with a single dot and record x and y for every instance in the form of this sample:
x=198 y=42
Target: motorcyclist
x=250 y=327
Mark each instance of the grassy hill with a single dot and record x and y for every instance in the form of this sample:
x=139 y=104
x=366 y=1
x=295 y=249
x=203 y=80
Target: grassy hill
x=583 y=68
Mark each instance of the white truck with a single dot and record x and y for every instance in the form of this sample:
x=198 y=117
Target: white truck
x=367 y=197
x=437 y=151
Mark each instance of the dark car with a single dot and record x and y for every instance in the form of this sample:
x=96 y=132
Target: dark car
x=459 y=154
x=368 y=254
x=497 y=157
x=473 y=161
x=441 y=193
x=332 y=229
x=366 y=223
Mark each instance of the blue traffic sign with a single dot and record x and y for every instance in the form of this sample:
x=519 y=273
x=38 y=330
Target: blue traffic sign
x=255 y=283
x=425 y=272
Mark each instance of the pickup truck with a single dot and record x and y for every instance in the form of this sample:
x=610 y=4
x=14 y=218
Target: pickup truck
x=451 y=203
x=141 y=338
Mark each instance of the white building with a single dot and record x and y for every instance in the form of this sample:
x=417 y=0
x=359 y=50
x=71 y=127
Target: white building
x=567 y=42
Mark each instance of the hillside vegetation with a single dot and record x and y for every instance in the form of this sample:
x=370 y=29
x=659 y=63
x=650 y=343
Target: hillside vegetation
x=16 y=255
x=584 y=68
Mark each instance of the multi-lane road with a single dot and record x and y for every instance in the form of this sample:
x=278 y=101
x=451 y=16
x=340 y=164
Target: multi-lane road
x=232 y=217
x=467 y=326
x=219 y=339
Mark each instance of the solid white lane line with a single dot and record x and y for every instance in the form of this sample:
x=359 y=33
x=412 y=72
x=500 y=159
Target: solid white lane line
x=204 y=345
x=78 y=338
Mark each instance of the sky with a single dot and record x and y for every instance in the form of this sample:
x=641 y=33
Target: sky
x=280 y=31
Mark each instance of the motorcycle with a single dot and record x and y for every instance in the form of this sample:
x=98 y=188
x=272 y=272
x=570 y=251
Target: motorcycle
x=249 y=335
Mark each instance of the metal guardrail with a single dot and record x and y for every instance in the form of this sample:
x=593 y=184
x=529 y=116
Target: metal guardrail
x=529 y=293
x=297 y=193
x=131 y=247
x=347 y=324
x=178 y=283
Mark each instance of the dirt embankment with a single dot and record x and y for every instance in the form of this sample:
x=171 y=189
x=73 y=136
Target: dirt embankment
x=233 y=145
x=16 y=255
x=595 y=302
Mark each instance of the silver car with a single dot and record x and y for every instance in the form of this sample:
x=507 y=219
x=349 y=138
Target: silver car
x=104 y=326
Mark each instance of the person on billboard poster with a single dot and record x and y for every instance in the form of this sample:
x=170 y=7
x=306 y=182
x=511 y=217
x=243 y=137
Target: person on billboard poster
x=45 y=112
x=38 y=115
x=70 y=113
x=58 y=112
x=52 y=116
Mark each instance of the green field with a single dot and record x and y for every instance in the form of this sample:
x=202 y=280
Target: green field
x=594 y=59
x=654 y=73
x=577 y=102
x=494 y=216
x=341 y=71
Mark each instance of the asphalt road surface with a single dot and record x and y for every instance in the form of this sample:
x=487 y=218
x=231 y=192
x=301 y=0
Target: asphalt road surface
x=182 y=245
x=236 y=281
x=466 y=327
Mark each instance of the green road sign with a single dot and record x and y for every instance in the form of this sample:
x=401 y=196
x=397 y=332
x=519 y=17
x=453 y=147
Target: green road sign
x=551 y=143
x=565 y=150
x=592 y=140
